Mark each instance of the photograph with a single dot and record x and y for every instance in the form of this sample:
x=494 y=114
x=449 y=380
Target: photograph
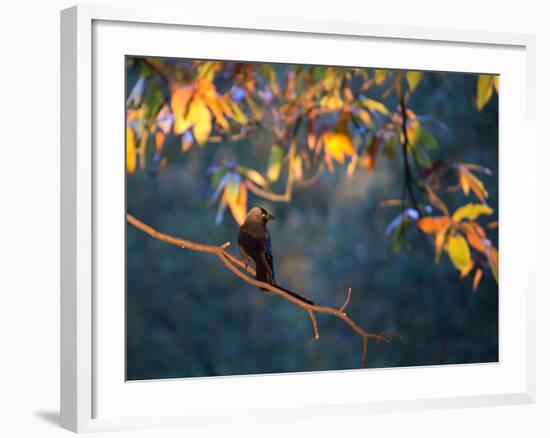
x=291 y=218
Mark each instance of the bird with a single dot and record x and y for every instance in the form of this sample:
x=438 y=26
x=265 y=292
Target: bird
x=255 y=246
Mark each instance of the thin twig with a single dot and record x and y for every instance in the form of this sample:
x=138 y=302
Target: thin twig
x=364 y=355
x=237 y=266
x=315 y=327
x=405 y=147
x=348 y=297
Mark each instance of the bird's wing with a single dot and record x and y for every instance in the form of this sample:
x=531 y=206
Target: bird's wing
x=255 y=242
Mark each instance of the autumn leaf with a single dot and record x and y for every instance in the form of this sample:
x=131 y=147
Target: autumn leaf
x=275 y=163
x=180 y=101
x=338 y=145
x=477 y=278
x=471 y=212
x=413 y=78
x=476 y=236
x=254 y=176
x=380 y=76
x=201 y=120
x=130 y=151
x=236 y=195
x=468 y=181
x=459 y=253
x=485 y=84
x=374 y=105
x=432 y=224
x=236 y=112
x=159 y=141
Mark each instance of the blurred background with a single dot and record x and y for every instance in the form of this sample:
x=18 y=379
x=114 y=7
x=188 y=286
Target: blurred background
x=188 y=316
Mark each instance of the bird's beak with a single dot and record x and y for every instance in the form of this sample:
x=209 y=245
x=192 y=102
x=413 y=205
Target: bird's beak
x=270 y=216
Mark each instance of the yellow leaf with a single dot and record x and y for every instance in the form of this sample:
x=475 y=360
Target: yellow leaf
x=179 y=103
x=496 y=82
x=237 y=204
x=471 y=212
x=236 y=112
x=255 y=176
x=297 y=168
x=332 y=101
x=484 y=90
x=201 y=120
x=130 y=151
x=459 y=253
x=413 y=78
x=338 y=145
x=274 y=165
x=432 y=224
x=374 y=105
x=380 y=76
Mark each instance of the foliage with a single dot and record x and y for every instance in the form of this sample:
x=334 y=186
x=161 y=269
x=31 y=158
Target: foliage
x=318 y=119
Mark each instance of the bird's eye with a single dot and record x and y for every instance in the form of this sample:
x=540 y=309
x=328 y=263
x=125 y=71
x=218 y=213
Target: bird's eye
x=263 y=214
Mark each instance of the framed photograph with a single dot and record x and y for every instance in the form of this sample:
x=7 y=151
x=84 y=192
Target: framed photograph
x=254 y=207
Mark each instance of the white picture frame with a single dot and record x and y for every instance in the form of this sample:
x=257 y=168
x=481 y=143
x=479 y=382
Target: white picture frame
x=93 y=397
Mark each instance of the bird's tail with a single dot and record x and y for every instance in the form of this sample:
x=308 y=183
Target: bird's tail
x=295 y=295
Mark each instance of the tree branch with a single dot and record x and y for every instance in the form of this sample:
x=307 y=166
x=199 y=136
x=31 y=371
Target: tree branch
x=405 y=148
x=237 y=267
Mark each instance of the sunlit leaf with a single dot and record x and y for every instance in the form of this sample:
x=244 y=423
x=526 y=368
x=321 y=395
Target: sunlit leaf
x=496 y=82
x=297 y=168
x=207 y=70
x=459 y=253
x=201 y=120
x=477 y=278
x=338 y=145
x=159 y=141
x=374 y=105
x=180 y=101
x=364 y=116
x=275 y=163
x=492 y=258
x=237 y=204
x=468 y=181
x=440 y=239
x=471 y=211
x=476 y=236
x=436 y=201
x=380 y=76
x=484 y=90
x=130 y=151
x=433 y=224
x=413 y=78
x=254 y=176
x=332 y=101
x=236 y=113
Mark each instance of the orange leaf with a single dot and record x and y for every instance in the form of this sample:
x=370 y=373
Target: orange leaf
x=477 y=277
x=130 y=151
x=476 y=239
x=159 y=141
x=433 y=224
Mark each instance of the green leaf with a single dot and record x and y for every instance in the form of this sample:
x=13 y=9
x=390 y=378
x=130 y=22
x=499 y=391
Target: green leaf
x=484 y=90
x=399 y=235
x=426 y=139
x=413 y=78
x=421 y=156
x=390 y=146
x=152 y=100
x=275 y=164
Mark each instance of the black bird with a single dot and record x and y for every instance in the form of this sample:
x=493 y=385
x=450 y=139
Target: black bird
x=255 y=246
